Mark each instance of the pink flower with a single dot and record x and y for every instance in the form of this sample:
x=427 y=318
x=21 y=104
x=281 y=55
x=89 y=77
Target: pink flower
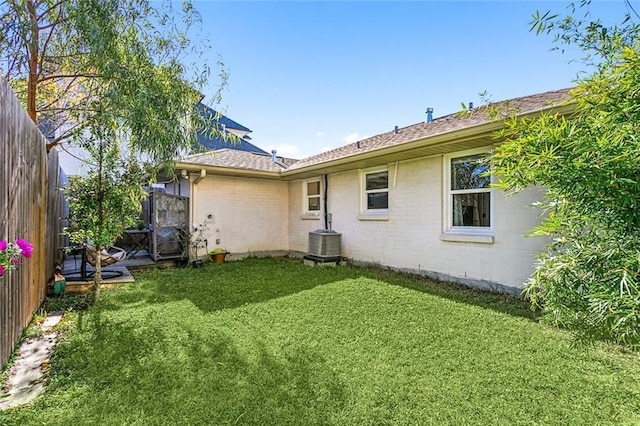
x=15 y=260
x=3 y=245
x=1 y=270
x=27 y=248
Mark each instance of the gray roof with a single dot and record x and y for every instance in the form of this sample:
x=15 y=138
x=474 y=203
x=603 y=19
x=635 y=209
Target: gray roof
x=239 y=160
x=441 y=125
x=251 y=161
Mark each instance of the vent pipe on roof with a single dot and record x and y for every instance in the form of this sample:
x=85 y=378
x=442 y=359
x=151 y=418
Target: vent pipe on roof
x=429 y=115
x=470 y=106
x=358 y=144
x=273 y=156
x=395 y=131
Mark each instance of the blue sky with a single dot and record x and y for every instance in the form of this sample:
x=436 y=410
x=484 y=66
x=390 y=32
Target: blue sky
x=309 y=76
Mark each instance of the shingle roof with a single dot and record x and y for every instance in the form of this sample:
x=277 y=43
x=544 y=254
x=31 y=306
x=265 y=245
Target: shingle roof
x=240 y=160
x=221 y=119
x=261 y=161
x=445 y=124
x=215 y=137
x=215 y=141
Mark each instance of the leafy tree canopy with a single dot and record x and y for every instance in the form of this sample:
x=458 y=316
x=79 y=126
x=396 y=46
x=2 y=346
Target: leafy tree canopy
x=112 y=77
x=65 y=57
x=589 y=163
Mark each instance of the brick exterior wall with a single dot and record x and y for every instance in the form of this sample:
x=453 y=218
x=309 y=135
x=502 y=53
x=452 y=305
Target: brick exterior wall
x=249 y=215
x=263 y=216
x=410 y=238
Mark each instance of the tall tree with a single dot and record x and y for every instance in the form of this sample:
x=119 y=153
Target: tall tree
x=61 y=55
x=588 y=279
x=112 y=77
x=105 y=202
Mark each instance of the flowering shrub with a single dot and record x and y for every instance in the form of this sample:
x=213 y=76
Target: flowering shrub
x=10 y=253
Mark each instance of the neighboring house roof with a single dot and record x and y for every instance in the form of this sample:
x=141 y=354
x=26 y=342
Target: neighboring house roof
x=224 y=133
x=221 y=119
x=240 y=160
x=449 y=133
x=47 y=129
x=216 y=141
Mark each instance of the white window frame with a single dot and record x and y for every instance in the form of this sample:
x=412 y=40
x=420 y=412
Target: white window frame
x=305 y=199
x=365 y=211
x=481 y=234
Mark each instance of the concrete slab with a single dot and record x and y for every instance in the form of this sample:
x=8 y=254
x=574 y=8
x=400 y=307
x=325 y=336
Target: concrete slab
x=53 y=318
x=26 y=378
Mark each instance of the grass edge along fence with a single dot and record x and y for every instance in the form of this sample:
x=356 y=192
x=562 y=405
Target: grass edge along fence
x=30 y=209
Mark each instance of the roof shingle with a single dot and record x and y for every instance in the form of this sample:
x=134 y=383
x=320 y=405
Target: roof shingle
x=260 y=161
x=240 y=160
x=445 y=124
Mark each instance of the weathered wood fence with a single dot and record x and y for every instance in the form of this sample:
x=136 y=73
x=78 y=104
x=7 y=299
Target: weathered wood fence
x=30 y=208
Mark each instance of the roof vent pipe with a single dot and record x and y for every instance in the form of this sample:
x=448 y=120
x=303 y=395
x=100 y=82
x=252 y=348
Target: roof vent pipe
x=470 y=106
x=395 y=131
x=358 y=144
x=273 y=156
x=429 y=115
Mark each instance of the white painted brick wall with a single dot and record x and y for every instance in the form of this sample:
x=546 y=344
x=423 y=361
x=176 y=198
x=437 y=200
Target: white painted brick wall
x=411 y=237
x=301 y=224
x=263 y=215
x=249 y=215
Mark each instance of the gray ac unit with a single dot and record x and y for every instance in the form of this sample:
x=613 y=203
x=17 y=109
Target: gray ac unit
x=324 y=243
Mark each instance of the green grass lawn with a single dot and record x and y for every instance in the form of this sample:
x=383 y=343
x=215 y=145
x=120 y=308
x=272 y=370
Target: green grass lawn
x=274 y=342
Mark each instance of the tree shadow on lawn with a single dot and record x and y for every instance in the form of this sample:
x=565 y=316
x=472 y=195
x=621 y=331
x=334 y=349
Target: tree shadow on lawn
x=232 y=284
x=500 y=302
x=124 y=373
x=229 y=285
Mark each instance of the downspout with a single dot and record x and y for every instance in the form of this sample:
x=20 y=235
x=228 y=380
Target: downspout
x=194 y=204
x=203 y=174
x=395 y=174
x=326 y=212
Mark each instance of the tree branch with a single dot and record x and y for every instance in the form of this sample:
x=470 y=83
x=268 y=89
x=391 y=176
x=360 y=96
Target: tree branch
x=77 y=75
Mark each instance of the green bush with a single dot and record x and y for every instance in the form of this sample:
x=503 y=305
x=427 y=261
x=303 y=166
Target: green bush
x=589 y=165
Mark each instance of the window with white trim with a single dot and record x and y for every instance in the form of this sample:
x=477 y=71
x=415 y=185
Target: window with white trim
x=312 y=196
x=469 y=193
x=376 y=191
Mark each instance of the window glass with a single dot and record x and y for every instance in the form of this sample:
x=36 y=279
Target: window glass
x=472 y=209
x=314 y=203
x=313 y=196
x=379 y=180
x=469 y=172
x=377 y=190
x=313 y=188
x=470 y=192
x=378 y=200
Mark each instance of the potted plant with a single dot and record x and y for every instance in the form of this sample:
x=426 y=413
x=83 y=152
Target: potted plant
x=218 y=255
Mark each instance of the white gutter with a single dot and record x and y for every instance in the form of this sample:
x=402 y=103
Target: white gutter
x=485 y=129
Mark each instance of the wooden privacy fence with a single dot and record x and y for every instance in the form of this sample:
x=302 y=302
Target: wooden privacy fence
x=30 y=208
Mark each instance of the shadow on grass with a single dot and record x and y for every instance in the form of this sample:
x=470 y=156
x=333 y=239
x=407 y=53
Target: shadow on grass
x=233 y=284
x=503 y=303
x=229 y=285
x=140 y=372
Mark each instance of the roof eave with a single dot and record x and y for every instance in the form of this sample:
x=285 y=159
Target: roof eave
x=227 y=171
x=457 y=140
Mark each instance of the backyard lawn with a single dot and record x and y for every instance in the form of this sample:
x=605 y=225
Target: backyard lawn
x=271 y=341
